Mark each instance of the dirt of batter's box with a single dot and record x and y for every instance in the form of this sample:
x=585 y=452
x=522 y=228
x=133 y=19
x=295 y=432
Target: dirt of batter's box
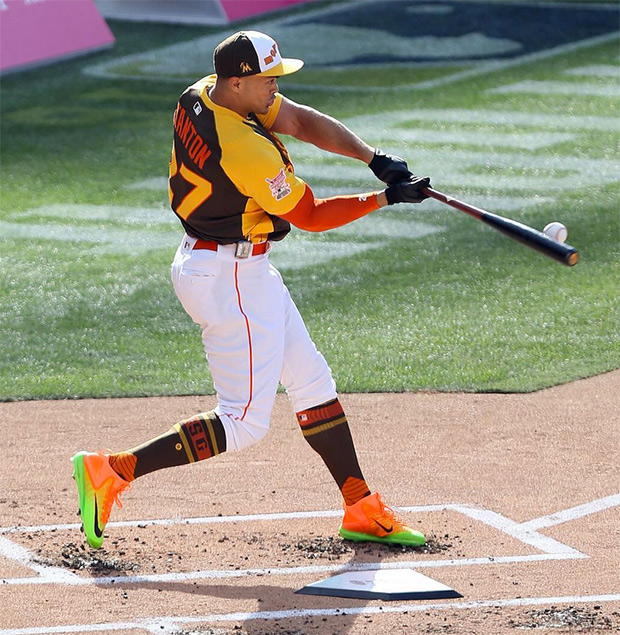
x=151 y=549
x=115 y=560
x=79 y=557
x=12 y=569
x=575 y=618
x=553 y=620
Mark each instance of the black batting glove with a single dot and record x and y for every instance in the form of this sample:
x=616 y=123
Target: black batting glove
x=389 y=168
x=408 y=191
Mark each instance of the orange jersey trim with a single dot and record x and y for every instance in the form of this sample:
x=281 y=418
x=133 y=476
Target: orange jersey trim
x=320 y=214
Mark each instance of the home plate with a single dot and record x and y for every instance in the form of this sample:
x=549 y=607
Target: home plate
x=381 y=584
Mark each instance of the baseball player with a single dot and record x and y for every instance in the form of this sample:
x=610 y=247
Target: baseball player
x=235 y=191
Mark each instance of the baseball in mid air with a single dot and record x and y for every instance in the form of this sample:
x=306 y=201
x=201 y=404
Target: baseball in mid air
x=557 y=231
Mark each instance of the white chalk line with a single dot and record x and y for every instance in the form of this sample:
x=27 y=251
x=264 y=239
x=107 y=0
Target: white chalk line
x=493 y=519
x=523 y=532
x=24 y=557
x=202 y=520
x=169 y=624
x=573 y=513
x=205 y=520
x=223 y=574
x=515 y=530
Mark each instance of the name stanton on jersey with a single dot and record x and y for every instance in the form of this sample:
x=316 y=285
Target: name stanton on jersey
x=196 y=146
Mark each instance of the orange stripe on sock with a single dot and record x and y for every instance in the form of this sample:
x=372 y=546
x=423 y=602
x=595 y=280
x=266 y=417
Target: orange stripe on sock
x=323 y=413
x=124 y=464
x=354 y=489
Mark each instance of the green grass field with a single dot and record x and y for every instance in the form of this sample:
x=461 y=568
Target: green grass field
x=420 y=298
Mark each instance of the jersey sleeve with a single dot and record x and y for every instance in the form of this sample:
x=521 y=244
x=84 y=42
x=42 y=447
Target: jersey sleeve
x=266 y=178
x=321 y=214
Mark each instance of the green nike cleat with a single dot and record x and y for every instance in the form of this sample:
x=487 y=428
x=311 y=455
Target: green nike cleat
x=98 y=487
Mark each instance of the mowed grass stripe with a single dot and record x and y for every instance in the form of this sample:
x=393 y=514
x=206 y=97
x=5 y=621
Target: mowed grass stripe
x=460 y=309
x=544 y=87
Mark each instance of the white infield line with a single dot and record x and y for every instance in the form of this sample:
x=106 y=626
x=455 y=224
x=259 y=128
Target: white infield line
x=168 y=625
x=46 y=574
x=573 y=513
x=524 y=532
x=217 y=574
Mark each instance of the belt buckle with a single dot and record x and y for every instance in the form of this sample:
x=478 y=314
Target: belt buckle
x=243 y=249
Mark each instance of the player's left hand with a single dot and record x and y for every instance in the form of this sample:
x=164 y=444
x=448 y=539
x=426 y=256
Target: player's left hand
x=389 y=168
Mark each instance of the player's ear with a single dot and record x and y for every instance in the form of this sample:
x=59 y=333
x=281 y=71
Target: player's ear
x=234 y=83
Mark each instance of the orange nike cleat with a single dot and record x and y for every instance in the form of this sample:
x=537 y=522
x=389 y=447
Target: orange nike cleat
x=370 y=520
x=98 y=487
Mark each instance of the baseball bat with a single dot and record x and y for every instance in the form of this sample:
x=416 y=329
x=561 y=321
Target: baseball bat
x=513 y=229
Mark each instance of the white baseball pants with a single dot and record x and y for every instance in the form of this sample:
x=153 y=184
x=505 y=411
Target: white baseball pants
x=253 y=337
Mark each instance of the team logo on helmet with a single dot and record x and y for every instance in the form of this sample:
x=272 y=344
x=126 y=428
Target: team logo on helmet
x=245 y=67
x=269 y=59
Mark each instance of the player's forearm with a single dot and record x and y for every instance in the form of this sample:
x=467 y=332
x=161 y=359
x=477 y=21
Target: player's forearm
x=321 y=214
x=329 y=134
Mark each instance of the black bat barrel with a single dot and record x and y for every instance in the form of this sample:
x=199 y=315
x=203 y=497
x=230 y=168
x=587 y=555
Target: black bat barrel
x=513 y=229
x=533 y=238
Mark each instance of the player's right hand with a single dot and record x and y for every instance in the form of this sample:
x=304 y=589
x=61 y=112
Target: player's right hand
x=409 y=191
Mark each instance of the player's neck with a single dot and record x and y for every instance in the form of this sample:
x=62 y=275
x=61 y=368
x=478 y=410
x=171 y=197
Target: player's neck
x=223 y=98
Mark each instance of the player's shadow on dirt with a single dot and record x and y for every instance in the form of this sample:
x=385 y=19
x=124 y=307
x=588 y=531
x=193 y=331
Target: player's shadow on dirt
x=278 y=601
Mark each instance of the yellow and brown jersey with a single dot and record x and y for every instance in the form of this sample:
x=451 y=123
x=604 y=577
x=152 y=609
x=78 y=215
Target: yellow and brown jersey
x=230 y=177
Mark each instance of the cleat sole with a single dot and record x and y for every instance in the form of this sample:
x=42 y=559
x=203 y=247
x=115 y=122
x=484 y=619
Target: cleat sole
x=410 y=539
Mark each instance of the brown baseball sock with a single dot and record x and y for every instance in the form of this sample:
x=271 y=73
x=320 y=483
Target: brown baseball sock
x=326 y=429
x=195 y=439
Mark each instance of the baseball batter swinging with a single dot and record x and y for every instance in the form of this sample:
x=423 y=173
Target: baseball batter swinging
x=235 y=191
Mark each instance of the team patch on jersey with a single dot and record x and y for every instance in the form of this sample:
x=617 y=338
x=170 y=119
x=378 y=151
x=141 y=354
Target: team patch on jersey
x=197 y=108
x=279 y=186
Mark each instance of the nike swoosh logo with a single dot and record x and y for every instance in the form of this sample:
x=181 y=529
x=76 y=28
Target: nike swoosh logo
x=385 y=528
x=98 y=531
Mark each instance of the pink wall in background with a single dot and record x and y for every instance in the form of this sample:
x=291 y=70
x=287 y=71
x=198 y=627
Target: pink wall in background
x=32 y=31
x=237 y=9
